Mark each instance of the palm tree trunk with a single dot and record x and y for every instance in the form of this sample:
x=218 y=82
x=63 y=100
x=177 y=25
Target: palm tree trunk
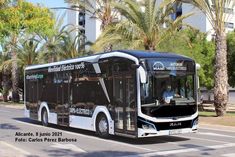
x=221 y=75
x=108 y=48
x=5 y=86
x=15 y=73
x=15 y=79
x=105 y=22
x=149 y=47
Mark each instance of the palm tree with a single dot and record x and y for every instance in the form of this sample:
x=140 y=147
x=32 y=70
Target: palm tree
x=17 y=19
x=145 y=25
x=50 y=49
x=62 y=45
x=3 y=3
x=5 y=70
x=102 y=10
x=51 y=44
x=71 y=47
x=216 y=14
x=28 y=52
x=14 y=69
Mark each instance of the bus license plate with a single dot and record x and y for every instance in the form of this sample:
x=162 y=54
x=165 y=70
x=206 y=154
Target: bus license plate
x=173 y=132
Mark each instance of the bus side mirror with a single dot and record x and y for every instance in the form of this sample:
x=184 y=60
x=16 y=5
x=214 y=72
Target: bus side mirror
x=143 y=76
x=198 y=66
x=198 y=83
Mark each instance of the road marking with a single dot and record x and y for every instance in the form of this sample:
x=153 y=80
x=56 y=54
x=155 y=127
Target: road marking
x=87 y=136
x=221 y=146
x=229 y=155
x=16 y=148
x=202 y=139
x=68 y=146
x=178 y=151
x=5 y=111
x=214 y=134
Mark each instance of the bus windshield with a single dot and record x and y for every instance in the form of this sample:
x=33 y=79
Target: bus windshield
x=161 y=88
x=170 y=82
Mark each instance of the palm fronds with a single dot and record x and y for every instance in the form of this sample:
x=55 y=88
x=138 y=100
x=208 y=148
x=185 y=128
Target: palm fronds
x=145 y=24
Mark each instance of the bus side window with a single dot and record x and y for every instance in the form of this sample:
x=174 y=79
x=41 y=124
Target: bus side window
x=86 y=87
x=49 y=87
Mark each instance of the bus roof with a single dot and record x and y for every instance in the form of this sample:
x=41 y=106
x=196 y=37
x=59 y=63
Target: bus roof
x=135 y=53
x=152 y=54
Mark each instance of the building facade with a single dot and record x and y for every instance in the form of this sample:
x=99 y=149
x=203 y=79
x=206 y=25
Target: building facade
x=198 y=20
x=90 y=24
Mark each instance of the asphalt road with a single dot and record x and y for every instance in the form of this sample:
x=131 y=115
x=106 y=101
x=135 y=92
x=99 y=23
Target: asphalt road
x=211 y=141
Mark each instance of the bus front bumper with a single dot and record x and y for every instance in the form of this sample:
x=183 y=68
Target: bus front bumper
x=148 y=128
x=151 y=132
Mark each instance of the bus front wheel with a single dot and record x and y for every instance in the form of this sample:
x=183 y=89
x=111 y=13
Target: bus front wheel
x=44 y=117
x=102 y=126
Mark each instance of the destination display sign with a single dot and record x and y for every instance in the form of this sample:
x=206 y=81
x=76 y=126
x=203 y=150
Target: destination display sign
x=66 y=67
x=170 y=64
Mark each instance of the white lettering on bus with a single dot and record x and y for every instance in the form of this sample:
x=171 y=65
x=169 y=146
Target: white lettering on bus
x=80 y=66
x=80 y=111
x=66 y=67
x=54 y=69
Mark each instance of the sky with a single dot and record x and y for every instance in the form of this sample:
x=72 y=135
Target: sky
x=52 y=4
x=49 y=3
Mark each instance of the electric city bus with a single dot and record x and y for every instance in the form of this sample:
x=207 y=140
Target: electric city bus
x=116 y=93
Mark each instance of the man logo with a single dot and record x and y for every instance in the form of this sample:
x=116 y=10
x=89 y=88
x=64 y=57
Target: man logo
x=158 y=66
x=175 y=124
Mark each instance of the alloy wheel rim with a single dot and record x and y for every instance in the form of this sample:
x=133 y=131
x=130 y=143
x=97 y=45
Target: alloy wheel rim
x=45 y=120
x=103 y=126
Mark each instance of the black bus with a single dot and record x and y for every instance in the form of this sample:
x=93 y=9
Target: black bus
x=123 y=92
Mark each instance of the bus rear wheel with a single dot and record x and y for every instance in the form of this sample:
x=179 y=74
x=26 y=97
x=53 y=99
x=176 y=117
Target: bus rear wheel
x=102 y=126
x=44 y=117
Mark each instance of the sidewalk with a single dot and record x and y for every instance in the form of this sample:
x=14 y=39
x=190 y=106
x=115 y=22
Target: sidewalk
x=210 y=107
x=8 y=150
x=12 y=105
x=217 y=127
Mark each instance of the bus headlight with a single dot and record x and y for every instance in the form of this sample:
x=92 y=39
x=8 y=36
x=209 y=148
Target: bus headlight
x=195 y=123
x=148 y=126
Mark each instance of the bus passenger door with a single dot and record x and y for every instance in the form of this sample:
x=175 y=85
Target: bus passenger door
x=62 y=107
x=125 y=103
